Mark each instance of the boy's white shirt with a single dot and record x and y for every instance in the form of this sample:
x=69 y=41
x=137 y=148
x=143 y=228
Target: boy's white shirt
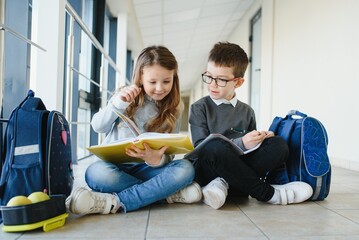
x=218 y=102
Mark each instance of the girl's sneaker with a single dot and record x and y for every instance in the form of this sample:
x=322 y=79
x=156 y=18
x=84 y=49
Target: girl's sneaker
x=84 y=201
x=190 y=194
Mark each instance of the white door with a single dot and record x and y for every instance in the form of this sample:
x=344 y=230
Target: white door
x=255 y=66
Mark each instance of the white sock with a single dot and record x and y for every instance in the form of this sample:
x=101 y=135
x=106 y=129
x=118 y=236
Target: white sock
x=276 y=199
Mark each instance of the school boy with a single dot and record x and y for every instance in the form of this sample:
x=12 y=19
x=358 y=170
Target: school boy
x=219 y=167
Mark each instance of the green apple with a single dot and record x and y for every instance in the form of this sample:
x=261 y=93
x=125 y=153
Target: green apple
x=36 y=197
x=18 y=201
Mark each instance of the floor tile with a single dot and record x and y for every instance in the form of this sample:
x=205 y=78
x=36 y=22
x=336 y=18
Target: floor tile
x=113 y=226
x=9 y=235
x=350 y=214
x=200 y=221
x=340 y=188
x=341 y=201
x=299 y=220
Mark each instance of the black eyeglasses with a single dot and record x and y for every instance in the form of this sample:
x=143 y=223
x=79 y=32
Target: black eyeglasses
x=219 y=81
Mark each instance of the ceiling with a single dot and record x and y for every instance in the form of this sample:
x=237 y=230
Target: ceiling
x=189 y=28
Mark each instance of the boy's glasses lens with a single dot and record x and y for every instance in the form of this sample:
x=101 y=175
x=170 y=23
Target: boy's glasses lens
x=219 y=82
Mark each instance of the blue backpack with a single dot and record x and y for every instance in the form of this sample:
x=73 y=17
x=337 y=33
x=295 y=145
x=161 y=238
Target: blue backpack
x=36 y=152
x=308 y=159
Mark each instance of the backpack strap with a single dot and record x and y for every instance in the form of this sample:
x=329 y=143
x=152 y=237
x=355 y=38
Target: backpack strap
x=32 y=103
x=29 y=94
x=289 y=125
x=296 y=113
x=286 y=128
x=275 y=124
x=279 y=175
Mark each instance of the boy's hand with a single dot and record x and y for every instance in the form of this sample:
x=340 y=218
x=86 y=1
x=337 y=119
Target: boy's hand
x=253 y=138
x=149 y=155
x=128 y=93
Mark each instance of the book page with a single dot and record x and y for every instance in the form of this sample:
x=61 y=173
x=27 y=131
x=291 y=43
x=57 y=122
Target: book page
x=149 y=136
x=130 y=124
x=252 y=149
x=116 y=151
x=194 y=155
x=152 y=135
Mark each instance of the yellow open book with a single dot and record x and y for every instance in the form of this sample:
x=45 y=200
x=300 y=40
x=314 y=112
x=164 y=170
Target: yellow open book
x=115 y=152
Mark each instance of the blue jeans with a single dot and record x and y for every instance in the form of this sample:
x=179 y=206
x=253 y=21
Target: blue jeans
x=137 y=184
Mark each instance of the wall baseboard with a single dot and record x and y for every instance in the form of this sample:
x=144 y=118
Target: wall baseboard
x=347 y=164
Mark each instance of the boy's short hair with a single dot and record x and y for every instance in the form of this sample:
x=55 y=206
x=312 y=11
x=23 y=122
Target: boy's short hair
x=229 y=55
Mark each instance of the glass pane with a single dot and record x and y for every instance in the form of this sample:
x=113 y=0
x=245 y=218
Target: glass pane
x=83 y=133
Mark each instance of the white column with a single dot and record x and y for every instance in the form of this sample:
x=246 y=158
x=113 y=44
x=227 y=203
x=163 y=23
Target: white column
x=267 y=64
x=2 y=36
x=121 y=51
x=47 y=68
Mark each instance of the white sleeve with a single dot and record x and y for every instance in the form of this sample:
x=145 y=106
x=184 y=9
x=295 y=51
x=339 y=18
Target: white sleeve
x=102 y=120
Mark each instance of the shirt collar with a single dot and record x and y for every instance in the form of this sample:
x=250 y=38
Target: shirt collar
x=150 y=99
x=218 y=102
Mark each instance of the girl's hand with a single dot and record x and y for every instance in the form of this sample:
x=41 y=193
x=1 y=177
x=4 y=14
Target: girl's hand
x=253 y=138
x=149 y=155
x=128 y=94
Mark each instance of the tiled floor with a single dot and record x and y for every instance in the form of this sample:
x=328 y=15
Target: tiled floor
x=335 y=218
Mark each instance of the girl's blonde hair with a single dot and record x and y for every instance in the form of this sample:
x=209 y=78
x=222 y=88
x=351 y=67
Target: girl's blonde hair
x=170 y=106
